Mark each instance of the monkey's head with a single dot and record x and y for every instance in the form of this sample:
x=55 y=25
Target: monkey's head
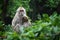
x=21 y=11
x=24 y=19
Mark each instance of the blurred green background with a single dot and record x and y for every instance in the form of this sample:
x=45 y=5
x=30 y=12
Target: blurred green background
x=44 y=15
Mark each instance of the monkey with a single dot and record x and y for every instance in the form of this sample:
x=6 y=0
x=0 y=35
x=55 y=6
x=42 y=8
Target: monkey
x=20 y=19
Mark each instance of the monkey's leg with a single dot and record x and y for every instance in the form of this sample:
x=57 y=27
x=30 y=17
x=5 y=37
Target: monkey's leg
x=16 y=28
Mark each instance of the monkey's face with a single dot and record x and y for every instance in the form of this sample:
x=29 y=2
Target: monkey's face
x=22 y=12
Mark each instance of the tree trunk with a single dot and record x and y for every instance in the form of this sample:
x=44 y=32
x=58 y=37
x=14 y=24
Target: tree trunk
x=4 y=10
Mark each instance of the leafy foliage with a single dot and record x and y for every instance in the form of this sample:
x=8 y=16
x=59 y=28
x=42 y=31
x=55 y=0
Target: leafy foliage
x=40 y=30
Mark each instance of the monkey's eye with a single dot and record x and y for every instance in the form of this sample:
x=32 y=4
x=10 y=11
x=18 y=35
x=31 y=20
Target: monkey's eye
x=21 y=10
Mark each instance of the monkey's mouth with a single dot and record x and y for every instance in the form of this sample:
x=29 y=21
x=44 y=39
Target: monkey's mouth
x=24 y=19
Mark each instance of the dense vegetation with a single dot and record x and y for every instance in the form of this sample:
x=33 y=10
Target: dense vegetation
x=44 y=15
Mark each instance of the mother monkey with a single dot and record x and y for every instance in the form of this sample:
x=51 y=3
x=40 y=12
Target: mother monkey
x=20 y=19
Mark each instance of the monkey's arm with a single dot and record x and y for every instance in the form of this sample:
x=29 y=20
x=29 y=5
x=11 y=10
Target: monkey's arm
x=14 y=22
